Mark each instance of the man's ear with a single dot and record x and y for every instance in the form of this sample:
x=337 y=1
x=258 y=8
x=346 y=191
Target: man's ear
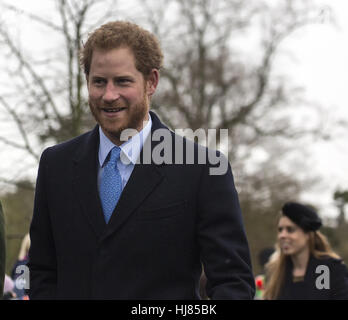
x=152 y=82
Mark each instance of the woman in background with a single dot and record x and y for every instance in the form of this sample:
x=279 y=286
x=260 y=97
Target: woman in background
x=18 y=270
x=304 y=265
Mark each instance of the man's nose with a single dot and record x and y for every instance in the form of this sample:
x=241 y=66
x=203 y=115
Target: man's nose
x=111 y=93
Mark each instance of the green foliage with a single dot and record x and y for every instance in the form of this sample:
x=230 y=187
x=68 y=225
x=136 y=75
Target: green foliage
x=341 y=245
x=341 y=199
x=341 y=196
x=2 y=250
x=261 y=231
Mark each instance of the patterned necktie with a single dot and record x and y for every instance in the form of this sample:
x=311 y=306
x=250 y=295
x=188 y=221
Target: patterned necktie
x=111 y=184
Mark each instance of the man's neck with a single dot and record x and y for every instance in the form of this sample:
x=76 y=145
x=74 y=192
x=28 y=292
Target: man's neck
x=119 y=140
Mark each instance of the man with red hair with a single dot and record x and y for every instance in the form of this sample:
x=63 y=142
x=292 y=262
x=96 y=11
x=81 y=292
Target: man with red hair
x=108 y=223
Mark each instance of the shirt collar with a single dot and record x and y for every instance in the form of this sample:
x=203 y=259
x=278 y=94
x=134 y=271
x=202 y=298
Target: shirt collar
x=130 y=150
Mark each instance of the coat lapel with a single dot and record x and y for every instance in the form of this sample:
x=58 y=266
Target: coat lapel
x=85 y=181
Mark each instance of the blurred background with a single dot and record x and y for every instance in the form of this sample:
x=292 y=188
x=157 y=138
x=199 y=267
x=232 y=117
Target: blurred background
x=274 y=73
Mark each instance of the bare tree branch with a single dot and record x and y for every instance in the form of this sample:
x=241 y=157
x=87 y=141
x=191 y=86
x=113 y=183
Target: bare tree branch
x=33 y=17
x=20 y=126
x=30 y=69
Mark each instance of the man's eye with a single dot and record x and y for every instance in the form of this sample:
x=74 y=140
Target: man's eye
x=123 y=81
x=98 y=81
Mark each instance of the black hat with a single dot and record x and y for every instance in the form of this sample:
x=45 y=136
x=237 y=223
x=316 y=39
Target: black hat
x=302 y=215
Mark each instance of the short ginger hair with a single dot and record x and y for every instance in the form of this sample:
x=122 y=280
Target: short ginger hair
x=143 y=44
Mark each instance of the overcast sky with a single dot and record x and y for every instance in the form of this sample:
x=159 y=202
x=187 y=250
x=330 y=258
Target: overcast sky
x=321 y=67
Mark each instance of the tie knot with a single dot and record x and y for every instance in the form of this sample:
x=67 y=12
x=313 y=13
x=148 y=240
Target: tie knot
x=115 y=154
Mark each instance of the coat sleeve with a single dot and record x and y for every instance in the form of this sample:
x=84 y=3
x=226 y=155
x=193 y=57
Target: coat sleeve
x=223 y=244
x=42 y=255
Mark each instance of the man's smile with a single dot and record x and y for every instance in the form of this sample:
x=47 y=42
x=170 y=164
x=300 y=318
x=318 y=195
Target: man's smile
x=113 y=110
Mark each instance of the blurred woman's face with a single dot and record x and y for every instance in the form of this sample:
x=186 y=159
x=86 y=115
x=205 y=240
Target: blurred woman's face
x=291 y=238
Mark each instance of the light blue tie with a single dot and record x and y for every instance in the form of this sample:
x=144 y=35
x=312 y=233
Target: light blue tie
x=111 y=184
